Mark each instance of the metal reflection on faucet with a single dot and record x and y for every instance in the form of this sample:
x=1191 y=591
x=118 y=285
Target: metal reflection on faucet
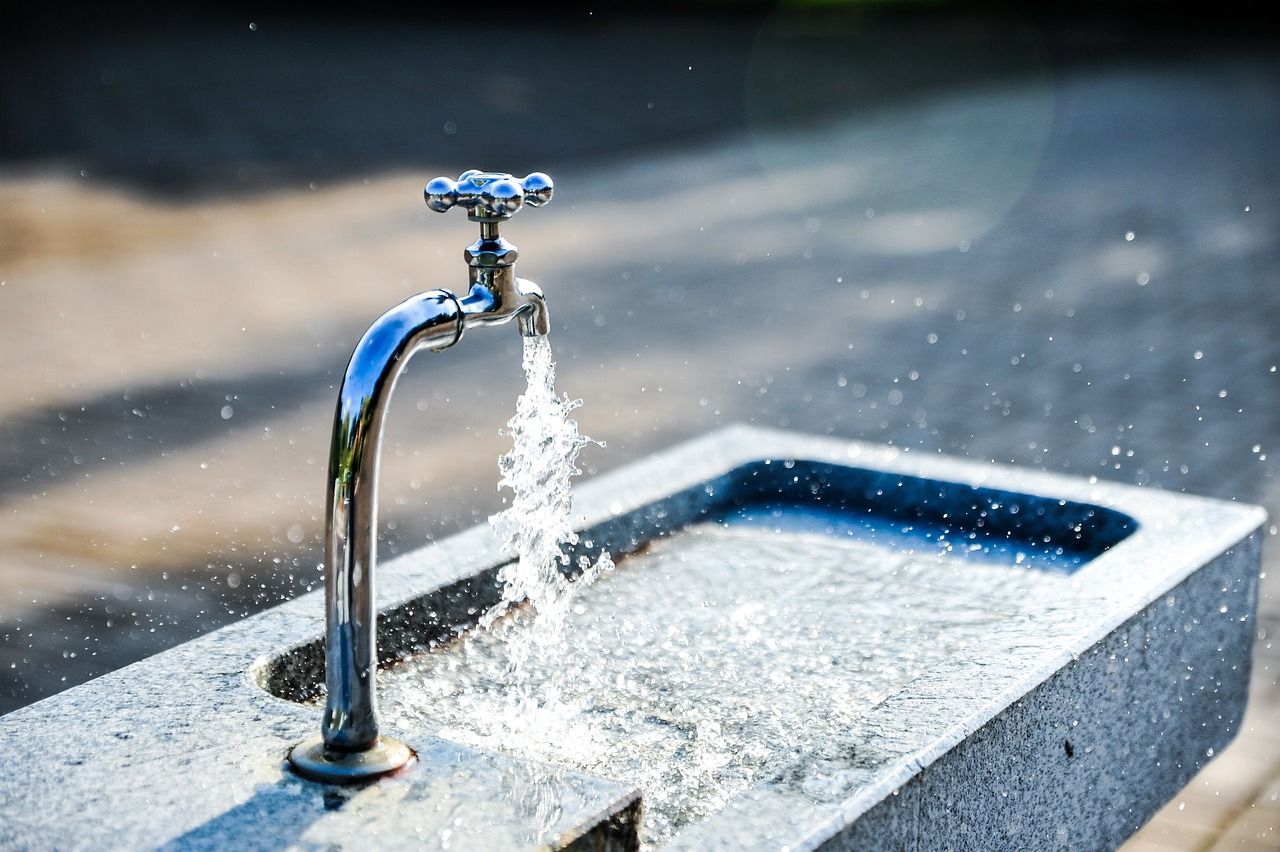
x=350 y=747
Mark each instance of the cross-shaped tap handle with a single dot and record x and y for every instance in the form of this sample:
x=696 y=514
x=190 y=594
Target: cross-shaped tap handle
x=488 y=196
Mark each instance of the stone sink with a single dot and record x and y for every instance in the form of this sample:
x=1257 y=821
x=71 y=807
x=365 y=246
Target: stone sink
x=807 y=643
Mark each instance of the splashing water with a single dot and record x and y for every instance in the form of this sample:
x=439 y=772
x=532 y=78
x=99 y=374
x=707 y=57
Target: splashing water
x=538 y=525
x=536 y=528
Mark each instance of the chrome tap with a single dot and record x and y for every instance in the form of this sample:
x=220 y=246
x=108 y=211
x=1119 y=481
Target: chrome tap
x=349 y=747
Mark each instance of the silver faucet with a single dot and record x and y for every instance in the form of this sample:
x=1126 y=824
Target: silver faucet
x=349 y=747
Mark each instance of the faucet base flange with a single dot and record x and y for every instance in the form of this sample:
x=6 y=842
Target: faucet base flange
x=313 y=761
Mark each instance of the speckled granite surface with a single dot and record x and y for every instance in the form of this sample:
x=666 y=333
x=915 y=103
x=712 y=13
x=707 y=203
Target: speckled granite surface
x=1064 y=730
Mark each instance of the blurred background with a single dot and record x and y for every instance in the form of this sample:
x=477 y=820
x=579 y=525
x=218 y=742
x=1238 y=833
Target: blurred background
x=1046 y=237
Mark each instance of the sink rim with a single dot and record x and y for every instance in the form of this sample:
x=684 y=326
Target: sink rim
x=857 y=491
x=1165 y=522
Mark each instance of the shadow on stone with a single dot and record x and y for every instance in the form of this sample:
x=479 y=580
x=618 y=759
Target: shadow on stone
x=276 y=816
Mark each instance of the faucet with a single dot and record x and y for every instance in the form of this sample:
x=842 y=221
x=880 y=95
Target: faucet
x=350 y=748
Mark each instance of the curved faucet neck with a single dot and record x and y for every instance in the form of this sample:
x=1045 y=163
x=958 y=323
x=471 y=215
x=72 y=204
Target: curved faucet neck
x=429 y=321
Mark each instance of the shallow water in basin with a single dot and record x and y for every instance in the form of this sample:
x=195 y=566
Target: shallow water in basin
x=716 y=657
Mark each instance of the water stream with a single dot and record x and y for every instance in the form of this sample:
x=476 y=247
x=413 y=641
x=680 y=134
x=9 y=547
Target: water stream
x=536 y=527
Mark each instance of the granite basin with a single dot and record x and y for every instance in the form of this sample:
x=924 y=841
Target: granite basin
x=843 y=610
x=818 y=643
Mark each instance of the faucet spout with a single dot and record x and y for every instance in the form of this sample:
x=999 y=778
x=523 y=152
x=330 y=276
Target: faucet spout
x=350 y=747
x=535 y=321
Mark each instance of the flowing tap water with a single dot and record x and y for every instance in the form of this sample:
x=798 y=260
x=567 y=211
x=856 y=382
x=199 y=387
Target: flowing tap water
x=536 y=529
x=537 y=526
